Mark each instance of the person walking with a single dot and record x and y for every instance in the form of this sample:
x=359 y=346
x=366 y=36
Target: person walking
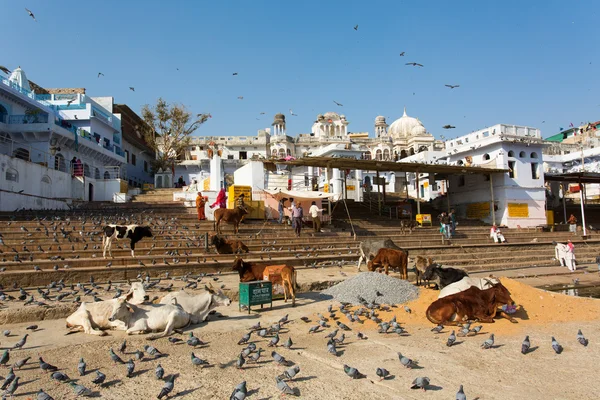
x=572 y=224
x=221 y=200
x=292 y=208
x=297 y=214
x=280 y=208
x=445 y=220
x=570 y=259
x=453 y=221
x=314 y=214
x=200 y=202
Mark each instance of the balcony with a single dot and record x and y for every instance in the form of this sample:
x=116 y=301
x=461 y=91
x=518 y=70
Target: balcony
x=28 y=119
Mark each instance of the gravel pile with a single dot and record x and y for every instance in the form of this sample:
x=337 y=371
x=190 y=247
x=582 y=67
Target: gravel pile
x=367 y=284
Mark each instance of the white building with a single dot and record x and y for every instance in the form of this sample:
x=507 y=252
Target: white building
x=519 y=195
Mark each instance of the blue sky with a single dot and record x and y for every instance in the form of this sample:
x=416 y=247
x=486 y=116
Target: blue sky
x=517 y=62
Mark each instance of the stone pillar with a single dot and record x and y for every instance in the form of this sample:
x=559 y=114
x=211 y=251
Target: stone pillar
x=358 y=185
x=216 y=173
x=337 y=182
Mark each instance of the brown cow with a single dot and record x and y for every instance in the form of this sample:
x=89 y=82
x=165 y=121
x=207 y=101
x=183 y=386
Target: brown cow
x=254 y=272
x=390 y=258
x=471 y=304
x=228 y=246
x=233 y=216
x=421 y=264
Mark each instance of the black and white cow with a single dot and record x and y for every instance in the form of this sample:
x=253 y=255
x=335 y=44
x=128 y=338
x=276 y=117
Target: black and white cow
x=135 y=233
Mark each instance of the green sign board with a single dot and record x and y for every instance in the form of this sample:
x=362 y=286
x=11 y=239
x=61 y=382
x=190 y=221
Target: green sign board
x=256 y=293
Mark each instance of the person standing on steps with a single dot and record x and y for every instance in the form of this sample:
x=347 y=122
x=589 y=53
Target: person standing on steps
x=221 y=200
x=571 y=256
x=200 y=202
x=292 y=208
x=572 y=224
x=280 y=208
x=297 y=214
x=314 y=214
x=453 y=221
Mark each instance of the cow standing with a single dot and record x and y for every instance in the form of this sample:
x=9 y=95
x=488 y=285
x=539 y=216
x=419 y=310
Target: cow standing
x=369 y=247
x=397 y=259
x=254 y=272
x=134 y=233
x=233 y=217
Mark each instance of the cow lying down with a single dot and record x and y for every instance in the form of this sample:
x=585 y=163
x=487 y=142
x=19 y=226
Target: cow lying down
x=472 y=304
x=198 y=307
x=93 y=318
x=465 y=283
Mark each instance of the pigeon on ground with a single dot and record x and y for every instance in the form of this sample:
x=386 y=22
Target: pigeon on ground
x=12 y=388
x=174 y=340
x=305 y=319
x=352 y=372
x=382 y=373
x=81 y=367
x=153 y=351
x=284 y=387
x=167 y=388
x=274 y=341
x=290 y=373
x=99 y=379
x=556 y=346
x=488 y=343
x=254 y=357
x=288 y=343
x=406 y=362
x=80 y=390
x=21 y=342
x=343 y=326
x=6 y=333
x=314 y=329
x=451 y=339
x=59 y=377
x=463 y=332
x=239 y=392
x=130 y=365
x=239 y=363
x=438 y=329
x=361 y=336
x=194 y=341
x=331 y=335
x=41 y=395
x=331 y=349
x=8 y=379
x=420 y=383
x=245 y=338
x=47 y=367
x=460 y=395
x=581 y=339
x=32 y=327
x=139 y=355
x=115 y=358
x=19 y=364
x=5 y=357
x=525 y=345
x=476 y=330
x=279 y=359
x=159 y=371
x=123 y=346
x=198 y=361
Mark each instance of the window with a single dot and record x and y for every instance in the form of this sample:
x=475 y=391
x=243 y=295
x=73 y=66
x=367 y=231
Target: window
x=367 y=155
x=243 y=155
x=127 y=156
x=289 y=152
x=21 y=153
x=12 y=175
x=511 y=153
x=46 y=179
x=378 y=155
x=97 y=174
x=106 y=175
x=535 y=174
x=486 y=156
x=522 y=154
x=534 y=155
x=512 y=169
x=59 y=163
x=86 y=170
x=133 y=159
x=386 y=154
x=146 y=164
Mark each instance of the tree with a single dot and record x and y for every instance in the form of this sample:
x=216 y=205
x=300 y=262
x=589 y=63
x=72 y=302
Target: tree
x=168 y=131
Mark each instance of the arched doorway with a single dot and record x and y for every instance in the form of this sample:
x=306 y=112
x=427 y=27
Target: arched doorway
x=411 y=152
x=403 y=154
x=378 y=155
x=3 y=114
x=106 y=175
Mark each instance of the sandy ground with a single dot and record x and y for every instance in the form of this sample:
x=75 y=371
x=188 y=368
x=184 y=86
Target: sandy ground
x=499 y=373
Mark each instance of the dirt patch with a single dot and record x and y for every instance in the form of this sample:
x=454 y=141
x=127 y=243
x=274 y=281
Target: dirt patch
x=35 y=313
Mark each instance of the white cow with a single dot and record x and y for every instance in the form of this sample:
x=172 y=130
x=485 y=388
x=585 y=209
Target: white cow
x=465 y=283
x=92 y=318
x=151 y=317
x=198 y=306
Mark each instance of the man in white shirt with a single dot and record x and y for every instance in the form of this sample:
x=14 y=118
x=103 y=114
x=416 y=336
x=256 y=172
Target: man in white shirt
x=314 y=213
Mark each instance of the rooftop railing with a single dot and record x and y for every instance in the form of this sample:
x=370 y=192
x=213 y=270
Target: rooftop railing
x=28 y=119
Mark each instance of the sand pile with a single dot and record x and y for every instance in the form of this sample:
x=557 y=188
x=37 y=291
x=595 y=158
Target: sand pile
x=536 y=307
x=373 y=287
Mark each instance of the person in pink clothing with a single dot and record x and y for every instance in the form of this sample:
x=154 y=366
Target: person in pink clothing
x=221 y=200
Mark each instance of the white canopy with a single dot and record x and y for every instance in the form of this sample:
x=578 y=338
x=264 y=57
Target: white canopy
x=297 y=194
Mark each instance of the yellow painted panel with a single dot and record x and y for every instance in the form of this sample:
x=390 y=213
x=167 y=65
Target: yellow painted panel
x=326 y=188
x=518 y=210
x=478 y=210
x=549 y=217
x=206 y=184
x=350 y=187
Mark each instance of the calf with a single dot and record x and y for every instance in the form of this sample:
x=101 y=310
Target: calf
x=443 y=276
x=281 y=274
x=134 y=233
x=406 y=224
x=92 y=318
x=421 y=264
x=228 y=246
x=369 y=247
x=151 y=317
x=233 y=217
x=390 y=258
x=198 y=307
x=472 y=304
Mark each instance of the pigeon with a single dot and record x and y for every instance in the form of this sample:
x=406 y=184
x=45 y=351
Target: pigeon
x=12 y=388
x=556 y=346
x=488 y=343
x=194 y=341
x=355 y=27
x=525 y=345
x=343 y=326
x=448 y=127
x=153 y=351
x=284 y=319
x=279 y=359
x=451 y=339
x=167 y=388
x=31 y=14
x=5 y=357
x=174 y=340
x=132 y=88
x=452 y=86
x=245 y=338
x=115 y=358
x=80 y=390
x=123 y=346
x=420 y=383
x=19 y=364
x=581 y=339
x=99 y=379
x=198 y=361
x=476 y=330
x=239 y=392
x=47 y=367
x=331 y=335
x=240 y=362
x=407 y=309
x=81 y=367
x=338 y=104
x=21 y=342
x=159 y=372
x=313 y=329
x=130 y=367
x=414 y=64
x=60 y=377
x=305 y=319
x=288 y=343
x=438 y=329
x=274 y=341
x=139 y=355
x=295 y=115
x=99 y=74
x=284 y=387
x=402 y=54
x=382 y=373
x=254 y=357
x=352 y=372
x=41 y=395
x=405 y=361
x=331 y=349
x=460 y=395
x=290 y=373
x=6 y=333
x=8 y=379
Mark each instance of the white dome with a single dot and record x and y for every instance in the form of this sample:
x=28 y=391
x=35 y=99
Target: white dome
x=418 y=130
x=332 y=116
x=404 y=126
x=380 y=118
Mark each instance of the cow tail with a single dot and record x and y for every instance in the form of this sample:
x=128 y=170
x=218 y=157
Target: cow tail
x=294 y=281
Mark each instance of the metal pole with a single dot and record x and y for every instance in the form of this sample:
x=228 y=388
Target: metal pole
x=418 y=194
x=329 y=210
x=582 y=209
x=447 y=195
x=564 y=200
x=492 y=193
x=378 y=193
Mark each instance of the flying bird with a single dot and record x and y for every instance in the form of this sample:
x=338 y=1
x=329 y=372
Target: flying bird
x=235 y=73
x=240 y=97
x=291 y=112
x=448 y=127
x=402 y=54
x=338 y=104
x=452 y=86
x=132 y=88
x=355 y=27
x=30 y=14
x=414 y=64
x=100 y=73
